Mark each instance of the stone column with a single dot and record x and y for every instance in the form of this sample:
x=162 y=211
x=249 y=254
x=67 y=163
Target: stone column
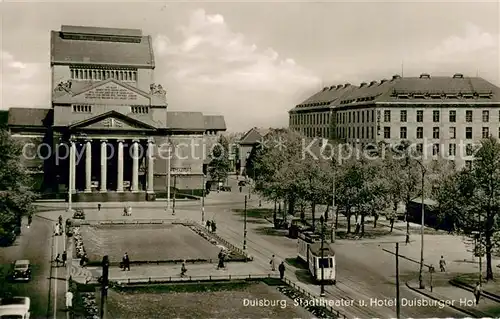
x=104 y=166
x=72 y=166
x=88 y=166
x=120 y=166
x=151 y=175
x=135 y=165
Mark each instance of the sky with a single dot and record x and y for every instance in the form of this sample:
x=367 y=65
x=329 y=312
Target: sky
x=254 y=61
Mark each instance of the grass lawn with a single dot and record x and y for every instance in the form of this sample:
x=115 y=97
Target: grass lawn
x=213 y=301
x=146 y=243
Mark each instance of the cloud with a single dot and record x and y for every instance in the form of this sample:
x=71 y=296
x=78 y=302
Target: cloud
x=229 y=74
x=22 y=83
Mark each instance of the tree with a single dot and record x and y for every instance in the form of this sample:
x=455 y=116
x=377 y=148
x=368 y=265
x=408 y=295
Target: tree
x=471 y=198
x=220 y=164
x=16 y=197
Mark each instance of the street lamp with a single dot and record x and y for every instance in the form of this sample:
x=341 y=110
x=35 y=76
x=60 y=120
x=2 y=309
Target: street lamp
x=245 y=226
x=421 y=271
x=175 y=194
x=167 y=163
x=203 y=201
x=322 y=263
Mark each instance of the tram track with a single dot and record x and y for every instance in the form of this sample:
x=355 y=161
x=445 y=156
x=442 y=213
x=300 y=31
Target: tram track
x=335 y=292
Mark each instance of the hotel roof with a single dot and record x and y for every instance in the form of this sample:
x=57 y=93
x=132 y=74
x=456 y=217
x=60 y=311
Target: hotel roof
x=422 y=89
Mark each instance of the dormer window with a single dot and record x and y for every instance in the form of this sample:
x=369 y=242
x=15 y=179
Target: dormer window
x=485 y=96
x=403 y=96
x=77 y=108
x=140 y=109
x=435 y=96
x=451 y=96
x=418 y=96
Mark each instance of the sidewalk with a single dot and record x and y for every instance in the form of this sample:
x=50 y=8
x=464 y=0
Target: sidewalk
x=459 y=299
x=172 y=272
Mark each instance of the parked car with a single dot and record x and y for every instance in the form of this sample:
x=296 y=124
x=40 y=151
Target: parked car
x=15 y=308
x=21 y=270
x=79 y=214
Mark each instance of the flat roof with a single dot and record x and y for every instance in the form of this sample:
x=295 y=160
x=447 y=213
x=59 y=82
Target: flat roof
x=101 y=30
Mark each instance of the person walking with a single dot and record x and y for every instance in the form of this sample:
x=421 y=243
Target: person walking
x=64 y=258
x=281 y=269
x=477 y=292
x=99 y=207
x=214 y=226
x=183 y=268
x=407 y=238
x=442 y=264
x=126 y=262
x=272 y=262
x=58 y=260
x=30 y=219
x=60 y=219
x=221 y=259
x=69 y=300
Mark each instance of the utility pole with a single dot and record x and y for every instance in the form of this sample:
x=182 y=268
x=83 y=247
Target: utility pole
x=322 y=263
x=245 y=226
x=398 y=301
x=175 y=194
x=333 y=230
x=203 y=201
x=104 y=283
x=420 y=274
x=72 y=171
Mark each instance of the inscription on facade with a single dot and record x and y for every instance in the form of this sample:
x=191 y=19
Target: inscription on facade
x=111 y=92
x=180 y=170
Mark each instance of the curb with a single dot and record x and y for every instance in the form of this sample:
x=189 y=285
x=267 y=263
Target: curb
x=428 y=295
x=459 y=284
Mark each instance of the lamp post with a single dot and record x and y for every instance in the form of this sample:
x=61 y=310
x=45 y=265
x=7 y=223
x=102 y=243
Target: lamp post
x=245 y=226
x=333 y=230
x=175 y=193
x=398 y=301
x=421 y=270
x=104 y=283
x=322 y=263
x=167 y=163
x=203 y=201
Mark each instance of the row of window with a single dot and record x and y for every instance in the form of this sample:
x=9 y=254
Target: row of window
x=436 y=132
x=436 y=116
x=91 y=74
x=368 y=132
x=310 y=118
x=139 y=109
x=316 y=132
x=365 y=116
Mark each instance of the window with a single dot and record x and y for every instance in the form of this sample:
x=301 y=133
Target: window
x=362 y=117
x=453 y=132
x=468 y=150
x=452 y=149
x=486 y=132
x=372 y=136
x=486 y=116
x=420 y=116
x=435 y=149
x=387 y=115
x=362 y=132
x=435 y=116
x=468 y=116
x=140 y=109
x=82 y=108
x=468 y=133
x=403 y=116
x=402 y=132
x=325 y=263
x=420 y=148
x=420 y=132
x=387 y=132
x=435 y=132
x=373 y=115
x=453 y=116
x=357 y=133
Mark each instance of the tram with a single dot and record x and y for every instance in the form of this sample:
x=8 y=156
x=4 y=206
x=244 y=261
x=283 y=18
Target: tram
x=309 y=251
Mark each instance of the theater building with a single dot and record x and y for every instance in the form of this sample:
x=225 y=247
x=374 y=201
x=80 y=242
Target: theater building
x=108 y=132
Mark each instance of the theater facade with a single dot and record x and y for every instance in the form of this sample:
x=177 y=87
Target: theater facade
x=109 y=134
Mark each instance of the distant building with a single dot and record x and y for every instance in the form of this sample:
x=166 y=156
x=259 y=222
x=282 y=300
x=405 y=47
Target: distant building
x=109 y=112
x=248 y=141
x=438 y=112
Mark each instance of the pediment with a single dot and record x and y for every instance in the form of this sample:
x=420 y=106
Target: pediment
x=112 y=121
x=111 y=91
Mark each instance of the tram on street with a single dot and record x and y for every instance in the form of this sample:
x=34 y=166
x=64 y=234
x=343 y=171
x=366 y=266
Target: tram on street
x=309 y=251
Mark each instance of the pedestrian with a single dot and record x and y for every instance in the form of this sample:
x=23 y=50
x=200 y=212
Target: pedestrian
x=99 y=207
x=407 y=238
x=69 y=300
x=183 y=268
x=241 y=188
x=477 y=292
x=64 y=258
x=272 y=262
x=221 y=259
x=126 y=262
x=30 y=219
x=60 y=219
x=124 y=211
x=281 y=269
x=214 y=226
x=56 y=229
x=208 y=225
x=82 y=261
x=58 y=260
x=442 y=264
